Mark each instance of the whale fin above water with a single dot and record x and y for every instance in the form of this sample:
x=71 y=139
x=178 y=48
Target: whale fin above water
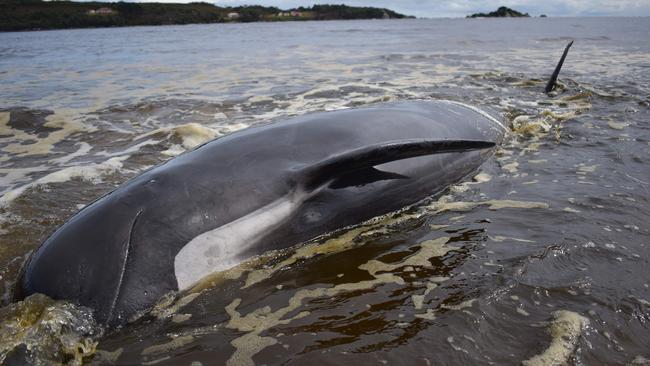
x=551 y=82
x=367 y=157
x=363 y=177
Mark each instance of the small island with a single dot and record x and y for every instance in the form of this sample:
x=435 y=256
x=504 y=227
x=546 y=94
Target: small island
x=502 y=12
x=18 y=15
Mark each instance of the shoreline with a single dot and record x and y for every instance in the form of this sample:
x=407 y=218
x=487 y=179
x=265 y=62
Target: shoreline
x=214 y=23
x=38 y=15
x=329 y=20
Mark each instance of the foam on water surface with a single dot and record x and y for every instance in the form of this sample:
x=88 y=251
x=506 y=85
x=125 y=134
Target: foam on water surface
x=565 y=330
x=113 y=115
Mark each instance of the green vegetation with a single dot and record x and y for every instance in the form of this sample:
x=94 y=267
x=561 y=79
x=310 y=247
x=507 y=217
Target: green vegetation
x=18 y=15
x=502 y=12
x=331 y=12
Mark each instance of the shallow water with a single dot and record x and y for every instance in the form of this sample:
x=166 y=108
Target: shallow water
x=541 y=259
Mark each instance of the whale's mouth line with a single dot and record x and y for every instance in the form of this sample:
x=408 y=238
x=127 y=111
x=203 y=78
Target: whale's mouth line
x=127 y=250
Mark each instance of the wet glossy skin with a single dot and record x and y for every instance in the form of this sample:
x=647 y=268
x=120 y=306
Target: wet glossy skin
x=125 y=243
x=586 y=253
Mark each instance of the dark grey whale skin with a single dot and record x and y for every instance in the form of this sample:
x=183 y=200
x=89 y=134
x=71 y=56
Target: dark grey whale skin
x=116 y=255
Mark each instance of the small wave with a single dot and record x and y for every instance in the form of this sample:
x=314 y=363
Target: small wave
x=90 y=173
x=42 y=331
x=351 y=30
x=35 y=132
x=555 y=39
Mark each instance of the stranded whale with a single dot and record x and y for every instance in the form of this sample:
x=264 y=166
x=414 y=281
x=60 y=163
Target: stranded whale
x=263 y=188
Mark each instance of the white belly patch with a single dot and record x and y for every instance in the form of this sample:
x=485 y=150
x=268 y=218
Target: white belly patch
x=220 y=249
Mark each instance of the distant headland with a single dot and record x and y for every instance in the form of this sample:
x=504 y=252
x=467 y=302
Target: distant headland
x=17 y=15
x=502 y=12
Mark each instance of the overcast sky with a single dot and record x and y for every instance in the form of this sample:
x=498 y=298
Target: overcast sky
x=460 y=8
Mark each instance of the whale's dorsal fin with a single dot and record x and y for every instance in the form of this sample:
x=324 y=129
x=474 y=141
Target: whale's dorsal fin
x=366 y=157
x=556 y=72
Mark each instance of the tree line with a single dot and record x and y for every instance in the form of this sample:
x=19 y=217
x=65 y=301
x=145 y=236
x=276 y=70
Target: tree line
x=18 y=15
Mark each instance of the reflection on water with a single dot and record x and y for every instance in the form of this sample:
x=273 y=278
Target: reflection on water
x=540 y=259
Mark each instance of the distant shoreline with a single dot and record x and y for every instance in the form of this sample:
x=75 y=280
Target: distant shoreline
x=222 y=23
x=37 y=15
x=502 y=12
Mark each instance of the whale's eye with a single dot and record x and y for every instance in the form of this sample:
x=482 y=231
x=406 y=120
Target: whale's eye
x=311 y=216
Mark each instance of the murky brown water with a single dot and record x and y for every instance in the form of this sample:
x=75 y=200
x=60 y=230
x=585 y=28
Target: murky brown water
x=541 y=259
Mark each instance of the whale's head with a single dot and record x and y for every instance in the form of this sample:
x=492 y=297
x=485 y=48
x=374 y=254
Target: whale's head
x=84 y=260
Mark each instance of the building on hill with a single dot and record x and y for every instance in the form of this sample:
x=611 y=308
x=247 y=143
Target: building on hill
x=101 y=11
